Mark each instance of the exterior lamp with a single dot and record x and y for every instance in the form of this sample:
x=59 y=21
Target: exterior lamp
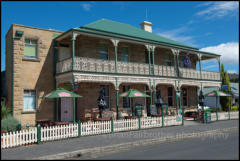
x=19 y=34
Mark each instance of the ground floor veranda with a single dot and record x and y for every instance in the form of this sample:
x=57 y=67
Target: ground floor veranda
x=89 y=87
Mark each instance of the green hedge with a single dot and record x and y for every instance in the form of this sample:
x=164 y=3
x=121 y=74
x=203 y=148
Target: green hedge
x=235 y=108
x=214 y=110
x=10 y=124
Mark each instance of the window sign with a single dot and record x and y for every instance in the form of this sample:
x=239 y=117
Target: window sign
x=224 y=87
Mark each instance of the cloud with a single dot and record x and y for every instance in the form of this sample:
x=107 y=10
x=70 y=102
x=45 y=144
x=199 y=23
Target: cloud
x=232 y=71
x=210 y=66
x=178 y=34
x=229 y=52
x=218 y=9
x=87 y=6
x=121 y=4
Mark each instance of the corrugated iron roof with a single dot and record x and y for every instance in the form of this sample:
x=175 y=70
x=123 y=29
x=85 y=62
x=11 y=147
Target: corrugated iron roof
x=110 y=26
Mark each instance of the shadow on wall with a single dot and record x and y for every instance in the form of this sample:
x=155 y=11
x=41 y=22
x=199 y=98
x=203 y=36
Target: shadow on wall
x=45 y=84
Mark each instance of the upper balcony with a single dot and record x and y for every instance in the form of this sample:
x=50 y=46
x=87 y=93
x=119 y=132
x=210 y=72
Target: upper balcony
x=98 y=55
x=108 y=66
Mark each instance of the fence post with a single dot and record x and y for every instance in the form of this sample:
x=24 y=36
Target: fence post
x=216 y=114
x=162 y=116
x=38 y=134
x=112 y=125
x=79 y=128
x=228 y=113
x=204 y=117
x=139 y=123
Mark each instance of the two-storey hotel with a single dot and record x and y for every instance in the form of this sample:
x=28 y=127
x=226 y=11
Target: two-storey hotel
x=104 y=55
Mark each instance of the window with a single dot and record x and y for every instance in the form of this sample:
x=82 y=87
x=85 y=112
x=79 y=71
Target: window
x=29 y=101
x=184 y=90
x=126 y=101
x=30 y=49
x=103 y=52
x=168 y=60
x=106 y=93
x=181 y=61
x=170 y=96
x=124 y=54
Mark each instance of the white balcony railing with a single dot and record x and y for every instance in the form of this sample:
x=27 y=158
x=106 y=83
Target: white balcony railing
x=195 y=74
x=108 y=66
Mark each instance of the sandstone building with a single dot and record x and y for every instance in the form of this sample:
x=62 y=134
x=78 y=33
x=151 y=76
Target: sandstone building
x=104 y=55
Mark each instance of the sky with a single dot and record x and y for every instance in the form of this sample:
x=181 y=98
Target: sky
x=208 y=25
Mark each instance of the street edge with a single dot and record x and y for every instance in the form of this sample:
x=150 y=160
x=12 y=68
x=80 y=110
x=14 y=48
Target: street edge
x=124 y=146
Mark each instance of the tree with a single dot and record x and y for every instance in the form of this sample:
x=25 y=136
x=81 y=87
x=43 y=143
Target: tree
x=226 y=102
x=5 y=112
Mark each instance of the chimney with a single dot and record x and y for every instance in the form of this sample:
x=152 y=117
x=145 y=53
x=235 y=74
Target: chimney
x=147 y=26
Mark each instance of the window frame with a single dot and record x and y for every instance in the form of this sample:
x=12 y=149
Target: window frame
x=125 y=55
x=168 y=59
x=102 y=52
x=181 y=61
x=30 y=91
x=31 y=45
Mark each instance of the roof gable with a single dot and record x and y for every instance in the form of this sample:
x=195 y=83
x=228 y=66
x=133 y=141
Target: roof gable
x=131 y=31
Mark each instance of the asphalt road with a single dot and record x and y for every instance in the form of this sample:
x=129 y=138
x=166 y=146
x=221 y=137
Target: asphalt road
x=222 y=146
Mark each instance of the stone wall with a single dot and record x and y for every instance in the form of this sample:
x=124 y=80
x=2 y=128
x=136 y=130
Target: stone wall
x=31 y=74
x=8 y=67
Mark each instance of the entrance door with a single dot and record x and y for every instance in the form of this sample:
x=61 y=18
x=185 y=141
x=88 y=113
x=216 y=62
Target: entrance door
x=66 y=109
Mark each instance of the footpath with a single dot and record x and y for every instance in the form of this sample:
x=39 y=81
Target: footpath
x=90 y=145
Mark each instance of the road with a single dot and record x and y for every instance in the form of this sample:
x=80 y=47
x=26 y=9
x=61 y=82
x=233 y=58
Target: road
x=222 y=146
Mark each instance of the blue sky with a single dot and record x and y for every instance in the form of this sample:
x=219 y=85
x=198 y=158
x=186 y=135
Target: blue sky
x=207 y=25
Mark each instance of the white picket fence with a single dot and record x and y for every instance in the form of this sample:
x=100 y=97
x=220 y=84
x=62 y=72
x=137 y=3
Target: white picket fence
x=224 y=115
x=24 y=137
x=59 y=132
x=94 y=128
x=125 y=125
x=234 y=115
x=172 y=120
x=150 y=122
x=213 y=116
x=18 y=138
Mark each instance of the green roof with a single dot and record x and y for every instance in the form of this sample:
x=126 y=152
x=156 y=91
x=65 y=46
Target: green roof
x=118 y=28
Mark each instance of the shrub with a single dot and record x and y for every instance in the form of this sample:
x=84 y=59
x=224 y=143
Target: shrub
x=214 y=109
x=4 y=111
x=225 y=101
x=10 y=124
x=234 y=108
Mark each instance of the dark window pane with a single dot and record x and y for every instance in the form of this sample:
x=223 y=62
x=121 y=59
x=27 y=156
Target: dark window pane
x=126 y=101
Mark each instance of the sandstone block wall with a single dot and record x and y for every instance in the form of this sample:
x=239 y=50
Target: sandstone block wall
x=30 y=74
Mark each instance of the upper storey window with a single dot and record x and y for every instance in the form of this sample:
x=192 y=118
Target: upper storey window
x=30 y=49
x=103 y=52
x=168 y=61
x=124 y=54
